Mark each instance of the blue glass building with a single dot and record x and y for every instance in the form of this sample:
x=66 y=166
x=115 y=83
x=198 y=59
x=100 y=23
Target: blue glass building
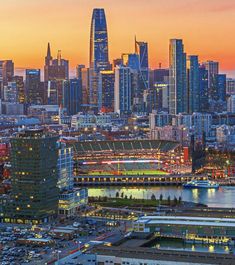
x=193 y=84
x=122 y=90
x=178 y=94
x=221 y=87
x=72 y=95
x=141 y=48
x=99 y=58
x=203 y=88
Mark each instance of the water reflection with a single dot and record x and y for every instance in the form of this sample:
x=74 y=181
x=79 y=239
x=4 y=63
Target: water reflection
x=222 y=197
x=176 y=244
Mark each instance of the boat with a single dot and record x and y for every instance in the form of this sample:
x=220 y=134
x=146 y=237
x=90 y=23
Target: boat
x=201 y=184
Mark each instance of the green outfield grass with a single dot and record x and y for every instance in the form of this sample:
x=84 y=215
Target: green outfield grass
x=130 y=172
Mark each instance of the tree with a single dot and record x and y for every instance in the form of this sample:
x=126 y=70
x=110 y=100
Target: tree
x=122 y=195
x=180 y=200
x=126 y=197
x=175 y=201
x=117 y=194
x=131 y=197
x=153 y=197
x=169 y=200
x=160 y=197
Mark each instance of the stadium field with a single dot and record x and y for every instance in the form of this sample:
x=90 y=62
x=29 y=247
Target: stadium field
x=129 y=172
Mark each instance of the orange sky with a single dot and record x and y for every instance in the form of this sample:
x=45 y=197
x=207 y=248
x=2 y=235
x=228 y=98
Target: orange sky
x=207 y=27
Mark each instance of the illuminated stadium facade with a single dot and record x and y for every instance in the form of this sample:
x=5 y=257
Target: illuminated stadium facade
x=129 y=161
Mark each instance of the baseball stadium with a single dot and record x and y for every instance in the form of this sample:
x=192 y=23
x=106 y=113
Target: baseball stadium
x=109 y=161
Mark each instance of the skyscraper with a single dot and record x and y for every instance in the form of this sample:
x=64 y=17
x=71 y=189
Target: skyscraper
x=34 y=197
x=178 y=96
x=203 y=88
x=6 y=71
x=213 y=69
x=193 y=84
x=122 y=90
x=20 y=88
x=34 y=88
x=106 y=91
x=72 y=95
x=141 y=48
x=55 y=69
x=99 y=58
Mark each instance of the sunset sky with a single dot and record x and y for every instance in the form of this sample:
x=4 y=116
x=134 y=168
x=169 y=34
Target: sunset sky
x=206 y=26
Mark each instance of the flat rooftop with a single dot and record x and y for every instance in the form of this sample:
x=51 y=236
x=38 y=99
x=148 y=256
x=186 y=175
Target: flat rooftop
x=186 y=220
x=166 y=255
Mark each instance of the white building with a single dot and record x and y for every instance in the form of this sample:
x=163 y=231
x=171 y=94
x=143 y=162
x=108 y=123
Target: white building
x=231 y=104
x=230 y=86
x=81 y=120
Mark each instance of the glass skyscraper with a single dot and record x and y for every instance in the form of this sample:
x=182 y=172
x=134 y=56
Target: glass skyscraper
x=122 y=90
x=141 y=48
x=193 y=84
x=34 y=196
x=178 y=94
x=99 y=58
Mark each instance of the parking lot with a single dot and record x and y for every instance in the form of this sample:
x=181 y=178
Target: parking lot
x=44 y=244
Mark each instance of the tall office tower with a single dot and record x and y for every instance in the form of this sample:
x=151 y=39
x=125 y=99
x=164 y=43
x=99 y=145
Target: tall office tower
x=6 y=71
x=220 y=87
x=34 y=197
x=141 y=48
x=11 y=92
x=122 y=90
x=19 y=80
x=213 y=69
x=72 y=95
x=193 y=84
x=203 y=88
x=48 y=57
x=99 y=58
x=55 y=69
x=106 y=91
x=178 y=95
x=54 y=90
x=79 y=69
x=33 y=86
x=132 y=61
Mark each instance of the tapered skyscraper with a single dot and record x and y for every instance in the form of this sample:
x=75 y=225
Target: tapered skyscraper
x=99 y=58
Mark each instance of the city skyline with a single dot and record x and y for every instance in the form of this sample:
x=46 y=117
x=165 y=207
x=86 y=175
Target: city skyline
x=204 y=27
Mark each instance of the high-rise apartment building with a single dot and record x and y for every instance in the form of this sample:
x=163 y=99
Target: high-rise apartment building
x=213 y=70
x=193 y=84
x=178 y=94
x=203 y=88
